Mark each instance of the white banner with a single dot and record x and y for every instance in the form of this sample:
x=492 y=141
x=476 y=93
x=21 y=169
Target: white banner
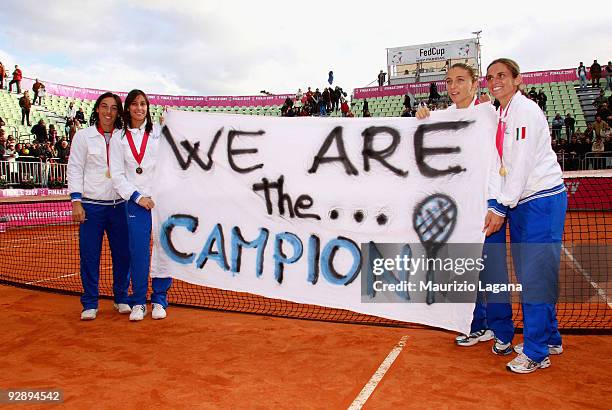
x=458 y=49
x=279 y=206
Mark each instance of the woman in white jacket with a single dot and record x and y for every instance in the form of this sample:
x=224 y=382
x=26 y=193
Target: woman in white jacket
x=97 y=206
x=492 y=313
x=133 y=158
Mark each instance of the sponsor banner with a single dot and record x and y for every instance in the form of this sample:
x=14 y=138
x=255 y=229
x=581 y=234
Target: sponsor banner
x=43 y=213
x=589 y=194
x=537 y=77
x=448 y=50
x=11 y=193
x=164 y=100
x=279 y=207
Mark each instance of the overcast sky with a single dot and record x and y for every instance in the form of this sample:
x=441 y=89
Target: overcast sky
x=241 y=47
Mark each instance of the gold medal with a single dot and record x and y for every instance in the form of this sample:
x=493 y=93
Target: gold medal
x=107 y=173
x=503 y=171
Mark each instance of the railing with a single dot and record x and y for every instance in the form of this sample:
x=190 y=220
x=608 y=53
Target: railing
x=31 y=172
x=589 y=161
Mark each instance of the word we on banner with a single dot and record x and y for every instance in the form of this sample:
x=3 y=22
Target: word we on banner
x=279 y=207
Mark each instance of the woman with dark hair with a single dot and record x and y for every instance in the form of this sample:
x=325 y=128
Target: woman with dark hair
x=133 y=158
x=97 y=206
x=533 y=199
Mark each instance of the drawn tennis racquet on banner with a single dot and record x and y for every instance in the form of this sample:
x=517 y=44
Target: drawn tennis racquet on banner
x=434 y=220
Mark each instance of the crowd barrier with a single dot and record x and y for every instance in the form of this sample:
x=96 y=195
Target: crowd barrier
x=587 y=162
x=31 y=172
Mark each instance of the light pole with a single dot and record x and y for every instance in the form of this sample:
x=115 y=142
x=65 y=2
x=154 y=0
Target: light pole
x=478 y=58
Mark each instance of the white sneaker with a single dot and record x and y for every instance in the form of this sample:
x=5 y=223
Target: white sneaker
x=89 y=314
x=158 y=311
x=122 y=308
x=473 y=338
x=500 y=348
x=552 y=349
x=523 y=364
x=138 y=313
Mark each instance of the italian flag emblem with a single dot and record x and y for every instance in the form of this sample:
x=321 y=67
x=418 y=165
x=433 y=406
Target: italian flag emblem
x=521 y=133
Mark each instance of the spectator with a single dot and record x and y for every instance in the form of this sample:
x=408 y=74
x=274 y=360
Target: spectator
x=2 y=124
x=17 y=76
x=589 y=133
x=52 y=137
x=407 y=102
x=582 y=75
x=600 y=127
x=326 y=97
x=597 y=149
x=344 y=108
x=2 y=75
x=287 y=107
x=604 y=112
x=63 y=152
x=595 y=73
x=70 y=112
x=609 y=76
x=557 y=126
x=381 y=78
x=2 y=145
x=366 y=108
x=572 y=154
x=35 y=150
x=40 y=132
x=11 y=154
x=542 y=100
x=38 y=89
x=25 y=104
x=46 y=151
x=533 y=95
x=608 y=143
x=554 y=145
x=316 y=98
x=433 y=93
x=73 y=129
x=80 y=115
x=407 y=112
x=569 y=125
x=298 y=98
x=366 y=114
x=601 y=98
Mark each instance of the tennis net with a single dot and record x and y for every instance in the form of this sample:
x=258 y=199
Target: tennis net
x=39 y=248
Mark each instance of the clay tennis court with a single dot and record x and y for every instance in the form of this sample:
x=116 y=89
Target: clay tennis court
x=220 y=356
x=212 y=359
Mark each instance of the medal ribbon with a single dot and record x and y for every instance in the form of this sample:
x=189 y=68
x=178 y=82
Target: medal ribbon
x=138 y=156
x=501 y=130
x=101 y=131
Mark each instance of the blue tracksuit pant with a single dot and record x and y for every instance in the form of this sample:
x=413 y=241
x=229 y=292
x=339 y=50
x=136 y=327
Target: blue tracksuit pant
x=494 y=311
x=100 y=218
x=536 y=231
x=139 y=226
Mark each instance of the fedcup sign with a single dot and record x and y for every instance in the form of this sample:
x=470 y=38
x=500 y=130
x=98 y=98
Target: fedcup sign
x=448 y=50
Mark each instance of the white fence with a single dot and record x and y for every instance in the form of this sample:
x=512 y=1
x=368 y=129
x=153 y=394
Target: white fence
x=31 y=172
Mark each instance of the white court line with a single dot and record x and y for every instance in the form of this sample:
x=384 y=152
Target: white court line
x=59 y=277
x=600 y=291
x=367 y=390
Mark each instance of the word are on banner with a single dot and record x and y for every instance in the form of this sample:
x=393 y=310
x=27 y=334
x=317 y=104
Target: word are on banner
x=280 y=207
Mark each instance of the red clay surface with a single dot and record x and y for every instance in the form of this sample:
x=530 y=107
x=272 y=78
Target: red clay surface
x=208 y=359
